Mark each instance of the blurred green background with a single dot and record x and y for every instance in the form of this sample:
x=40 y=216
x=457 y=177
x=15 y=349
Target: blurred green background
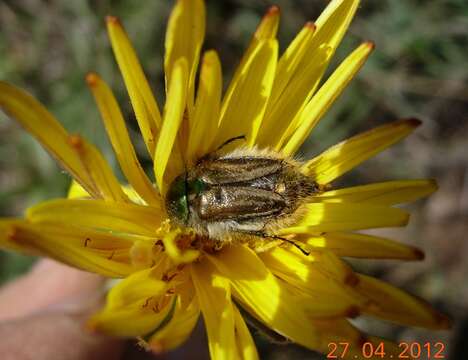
x=419 y=68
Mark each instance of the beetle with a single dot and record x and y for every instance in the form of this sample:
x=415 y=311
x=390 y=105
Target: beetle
x=241 y=194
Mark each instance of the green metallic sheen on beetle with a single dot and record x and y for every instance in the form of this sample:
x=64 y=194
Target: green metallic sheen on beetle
x=244 y=192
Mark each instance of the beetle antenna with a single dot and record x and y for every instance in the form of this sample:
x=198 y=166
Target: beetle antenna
x=186 y=193
x=228 y=141
x=293 y=243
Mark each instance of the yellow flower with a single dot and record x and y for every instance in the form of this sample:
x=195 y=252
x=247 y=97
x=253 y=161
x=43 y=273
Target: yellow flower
x=168 y=279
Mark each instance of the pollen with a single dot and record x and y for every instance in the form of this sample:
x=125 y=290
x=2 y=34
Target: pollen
x=141 y=254
x=280 y=188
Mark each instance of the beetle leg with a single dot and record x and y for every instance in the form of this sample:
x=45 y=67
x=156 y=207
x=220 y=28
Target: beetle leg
x=293 y=243
x=266 y=236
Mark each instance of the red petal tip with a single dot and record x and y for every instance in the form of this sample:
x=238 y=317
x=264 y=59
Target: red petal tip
x=273 y=10
x=112 y=19
x=370 y=45
x=310 y=25
x=419 y=254
x=75 y=141
x=414 y=122
x=92 y=79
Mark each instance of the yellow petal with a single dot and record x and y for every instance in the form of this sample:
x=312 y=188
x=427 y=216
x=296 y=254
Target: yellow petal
x=342 y=334
x=384 y=193
x=214 y=297
x=346 y=155
x=134 y=196
x=289 y=61
x=9 y=242
x=184 y=39
x=120 y=140
x=324 y=98
x=76 y=191
x=90 y=251
x=311 y=277
x=265 y=296
x=143 y=102
x=132 y=307
x=34 y=117
x=131 y=321
x=173 y=251
x=281 y=114
x=173 y=114
x=135 y=288
x=98 y=169
x=325 y=217
x=266 y=30
x=363 y=246
x=397 y=306
x=333 y=23
x=97 y=214
x=326 y=33
x=243 y=109
x=268 y=27
x=244 y=340
x=331 y=265
x=206 y=115
x=177 y=331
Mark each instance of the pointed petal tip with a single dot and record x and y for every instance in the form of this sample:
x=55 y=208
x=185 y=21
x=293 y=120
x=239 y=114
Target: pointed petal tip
x=406 y=220
x=310 y=25
x=76 y=141
x=92 y=79
x=112 y=20
x=434 y=184
x=209 y=57
x=413 y=122
x=444 y=322
x=418 y=254
x=370 y=44
x=274 y=10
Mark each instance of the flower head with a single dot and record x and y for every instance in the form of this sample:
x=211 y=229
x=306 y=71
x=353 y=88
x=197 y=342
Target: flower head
x=218 y=233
